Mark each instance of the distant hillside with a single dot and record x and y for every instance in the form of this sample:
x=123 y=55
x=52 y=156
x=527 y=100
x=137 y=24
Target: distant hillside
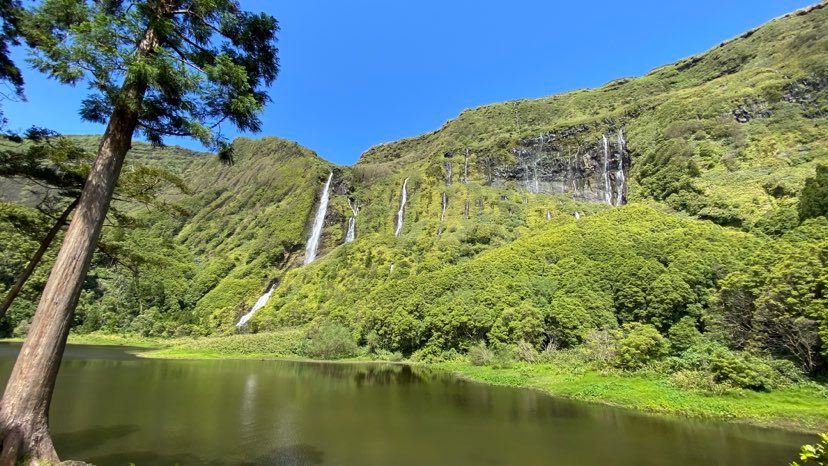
x=512 y=212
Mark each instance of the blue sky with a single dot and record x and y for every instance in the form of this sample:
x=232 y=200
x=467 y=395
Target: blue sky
x=360 y=72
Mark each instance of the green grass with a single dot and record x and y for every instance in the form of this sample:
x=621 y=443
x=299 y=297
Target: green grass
x=103 y=339
x=801 y=408
x=275 y=345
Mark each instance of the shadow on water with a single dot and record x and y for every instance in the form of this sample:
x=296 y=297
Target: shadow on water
x=291 y=455
x=89 y=438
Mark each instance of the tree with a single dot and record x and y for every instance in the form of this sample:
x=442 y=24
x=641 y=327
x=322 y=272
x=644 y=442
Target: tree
x=57 y=166
x=813 y=202
x=159 y=67
x=9 y=35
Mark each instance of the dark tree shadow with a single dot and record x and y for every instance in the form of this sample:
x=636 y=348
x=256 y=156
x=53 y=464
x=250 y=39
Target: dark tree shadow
x=291 y=455
x=81 y=440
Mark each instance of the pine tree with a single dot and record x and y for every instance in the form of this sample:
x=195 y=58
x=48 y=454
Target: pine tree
x=156 y=67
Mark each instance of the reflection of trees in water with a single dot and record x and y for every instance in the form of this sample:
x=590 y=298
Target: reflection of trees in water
x=362 y=374
x=289 y=455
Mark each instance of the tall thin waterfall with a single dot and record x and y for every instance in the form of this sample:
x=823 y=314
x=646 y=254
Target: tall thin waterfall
x=443 y=205
x=448 y=173
x=466 y=166
x=318 y=223
x=620 y=180
x=351 y=234
x=535 y=158
x=258 y=305
x=607 y=185
x=401 y=212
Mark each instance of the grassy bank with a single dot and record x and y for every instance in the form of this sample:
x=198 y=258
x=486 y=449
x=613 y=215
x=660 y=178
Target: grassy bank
x=801 y=408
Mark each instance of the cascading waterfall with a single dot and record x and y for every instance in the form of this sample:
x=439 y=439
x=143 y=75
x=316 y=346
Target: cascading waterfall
x=448 y=173
x=577 y=215
x=318 y=223
x=466 y=166
x=444 y=206
x=548 y=215
x=351 y=234
x=401 y=212
x=260 y=303
x=607 y=185
x=620 y=180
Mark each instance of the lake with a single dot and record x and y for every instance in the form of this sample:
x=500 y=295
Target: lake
x=112 y=408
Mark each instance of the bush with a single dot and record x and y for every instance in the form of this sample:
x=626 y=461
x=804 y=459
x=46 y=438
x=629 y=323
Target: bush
x=503 y=358
x=737 y=368
x=21 y=329
x=639 y=345
x=385 y=355
x=813 y=202
x=480 y=355
x=740 y=370
x=524 y=351
x=683 y=335
x=695 y=380
x=600 y=347
x=328 y=340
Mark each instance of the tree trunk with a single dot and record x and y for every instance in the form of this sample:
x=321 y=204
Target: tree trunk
x=35 y=260
x=24 y=409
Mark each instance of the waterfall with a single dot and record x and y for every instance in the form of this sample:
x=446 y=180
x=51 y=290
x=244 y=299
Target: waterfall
x=466 y=166
x=258 y=305
x=401 y=212
x=535 y=166
x=577 y=215
x=620 y=181
x=444 y=205
x=607 y=185
x=548 y=215
x=318 y=223
x=351 y=234
x=448 y=173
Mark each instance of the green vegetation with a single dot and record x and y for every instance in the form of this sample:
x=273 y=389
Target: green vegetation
x=815 y=454
x=802 y=408
x=704 y=296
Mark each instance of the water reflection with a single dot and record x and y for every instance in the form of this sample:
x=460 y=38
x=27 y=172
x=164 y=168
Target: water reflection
x=112 y=408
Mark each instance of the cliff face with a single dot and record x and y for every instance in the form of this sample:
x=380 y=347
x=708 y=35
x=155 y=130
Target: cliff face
x=556 y=163
x=729 y=136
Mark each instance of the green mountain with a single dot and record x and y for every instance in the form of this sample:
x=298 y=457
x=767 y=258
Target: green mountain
x=645 y=200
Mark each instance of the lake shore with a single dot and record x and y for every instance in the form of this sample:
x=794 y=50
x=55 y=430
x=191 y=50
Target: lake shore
x=802 y=408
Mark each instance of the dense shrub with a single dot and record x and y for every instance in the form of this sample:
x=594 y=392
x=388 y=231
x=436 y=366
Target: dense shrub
x=480 y=354
x=638 y=345
x=741 y=370
x=813 y=202
x=328 y=340
x=600 y=347
x=683 y=335
x=525 y=352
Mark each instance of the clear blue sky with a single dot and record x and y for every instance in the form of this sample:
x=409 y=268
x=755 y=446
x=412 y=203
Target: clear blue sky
x=360 y=72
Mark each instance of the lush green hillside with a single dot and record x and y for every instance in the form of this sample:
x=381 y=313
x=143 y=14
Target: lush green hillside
x=514 y=230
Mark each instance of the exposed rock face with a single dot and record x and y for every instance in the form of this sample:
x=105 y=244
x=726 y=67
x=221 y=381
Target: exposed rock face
x=555 y=163
x=805 y=92
x=751 y=109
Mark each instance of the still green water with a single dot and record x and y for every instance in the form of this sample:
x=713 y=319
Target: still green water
x=111 y=408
